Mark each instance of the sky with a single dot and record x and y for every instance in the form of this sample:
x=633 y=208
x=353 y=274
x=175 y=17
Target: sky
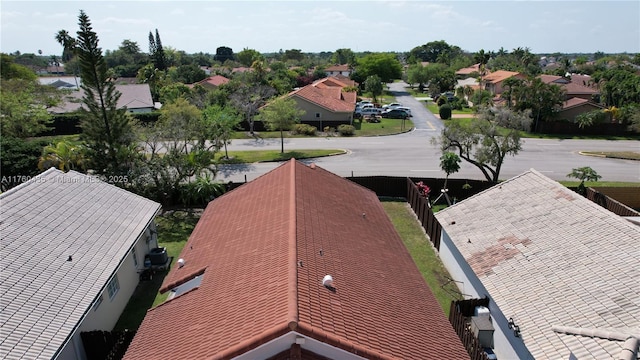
x=314 y=26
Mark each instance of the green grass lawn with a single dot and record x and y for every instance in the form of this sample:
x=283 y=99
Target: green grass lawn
x=238 y=157
x=422 y=252
x=433 y=107
x=174 y=228
x=384 y=127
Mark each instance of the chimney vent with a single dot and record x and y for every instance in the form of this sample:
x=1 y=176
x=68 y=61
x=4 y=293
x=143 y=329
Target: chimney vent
x=180 y=262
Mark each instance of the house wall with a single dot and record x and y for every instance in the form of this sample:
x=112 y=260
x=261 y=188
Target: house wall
x=326 y=117
x=570 y=114
x=506 y=345
x=105 y=316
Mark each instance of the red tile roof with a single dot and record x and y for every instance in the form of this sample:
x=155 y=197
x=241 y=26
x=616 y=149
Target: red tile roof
x=575 y=102
x=215 y=80
x=327 y=93
x=498 y=76
x=469 y=70
x=549 y=79
x=577 y=89
x=265 y=248
x=343 y=67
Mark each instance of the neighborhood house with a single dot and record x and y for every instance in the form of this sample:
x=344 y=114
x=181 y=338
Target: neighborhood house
x=72 y=248
x=561 y=272
x=296 y=264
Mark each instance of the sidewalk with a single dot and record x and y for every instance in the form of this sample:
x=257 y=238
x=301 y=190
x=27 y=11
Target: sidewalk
x=458 y=116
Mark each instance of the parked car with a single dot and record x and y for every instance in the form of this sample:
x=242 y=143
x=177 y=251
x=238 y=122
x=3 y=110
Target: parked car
x=395 y=114
x=370 y=111
x=391 y=106
x=406 y=109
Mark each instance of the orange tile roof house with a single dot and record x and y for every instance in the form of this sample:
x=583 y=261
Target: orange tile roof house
x=564 y=269
x=252 y=282
x=325 y=103
x=344 y=69
x=493 y=82
x=211 y=82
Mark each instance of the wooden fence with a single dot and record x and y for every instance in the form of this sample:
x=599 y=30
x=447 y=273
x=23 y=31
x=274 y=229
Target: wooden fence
x=421 y=208
x=106 y=345
x=459 y=315
x=610 y=204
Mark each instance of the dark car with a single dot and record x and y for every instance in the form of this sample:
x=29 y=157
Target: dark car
x=395 y=114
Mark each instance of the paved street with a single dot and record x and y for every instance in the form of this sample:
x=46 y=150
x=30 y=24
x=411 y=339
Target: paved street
x=412 y=154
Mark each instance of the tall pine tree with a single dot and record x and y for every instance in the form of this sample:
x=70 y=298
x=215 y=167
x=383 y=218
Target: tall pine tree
x=156 y=52
x=106 y=129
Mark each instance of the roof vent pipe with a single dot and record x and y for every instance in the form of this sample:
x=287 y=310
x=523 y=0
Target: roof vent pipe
x=180 y=262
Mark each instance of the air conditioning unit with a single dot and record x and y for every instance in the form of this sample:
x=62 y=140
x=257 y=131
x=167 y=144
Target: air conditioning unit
x=483 y=330
x=158 y=256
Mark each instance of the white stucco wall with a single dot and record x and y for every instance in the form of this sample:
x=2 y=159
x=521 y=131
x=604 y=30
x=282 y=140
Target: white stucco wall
x=105 y=316
x=506 y=345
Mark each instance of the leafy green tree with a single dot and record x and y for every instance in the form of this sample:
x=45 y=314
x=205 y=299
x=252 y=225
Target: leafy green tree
x=434 y=51
x=485 y=142
x=449 y=163
x=105 y=128
x=126 y=60
x=176 y=153
x=544 y=100
x=246 y=57
x=584 y=174
x=23 y=107
x=10 y=70
x=281 y=114
x=293 y=54
x=386 y=66
x=374 y=86
x=223 y=53
x=186 y=74
x=18 y=160
x=619 y=85
x=418 y=74
x=220 y=124
x=441 y=78
x=343 y=56
x=248 y=98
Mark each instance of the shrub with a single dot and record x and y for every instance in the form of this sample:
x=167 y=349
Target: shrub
x=445 y=112
x=346 y=130
x=304 y=129
x=441 y=100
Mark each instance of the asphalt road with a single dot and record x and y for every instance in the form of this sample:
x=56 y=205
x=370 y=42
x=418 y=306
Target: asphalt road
x=412 y=154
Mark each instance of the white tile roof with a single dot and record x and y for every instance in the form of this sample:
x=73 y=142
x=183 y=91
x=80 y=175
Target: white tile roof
x=549 y=257
x=42 y=222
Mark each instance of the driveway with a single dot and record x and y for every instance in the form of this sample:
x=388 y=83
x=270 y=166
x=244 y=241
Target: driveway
x=423 y=119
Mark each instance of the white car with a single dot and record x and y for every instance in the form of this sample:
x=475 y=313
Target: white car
x=391 y=106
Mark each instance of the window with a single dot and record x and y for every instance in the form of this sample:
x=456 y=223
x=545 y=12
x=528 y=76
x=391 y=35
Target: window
x=113 y=287
x=135 y=257
x=317 y=115
x=98 y=302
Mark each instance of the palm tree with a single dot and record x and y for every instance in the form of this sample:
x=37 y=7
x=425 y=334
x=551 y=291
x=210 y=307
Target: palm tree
x=63 y=155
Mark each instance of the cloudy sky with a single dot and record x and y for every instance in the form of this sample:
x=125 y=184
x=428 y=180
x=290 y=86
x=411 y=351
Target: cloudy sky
x=314 y=26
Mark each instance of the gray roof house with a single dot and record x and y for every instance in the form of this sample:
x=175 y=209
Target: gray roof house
x=71 y=250
x=562 y=274
x=135 y=97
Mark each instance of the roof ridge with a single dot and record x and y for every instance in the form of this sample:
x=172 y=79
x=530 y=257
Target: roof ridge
x=292 y=311
x=35 y=178
x=531 y=170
